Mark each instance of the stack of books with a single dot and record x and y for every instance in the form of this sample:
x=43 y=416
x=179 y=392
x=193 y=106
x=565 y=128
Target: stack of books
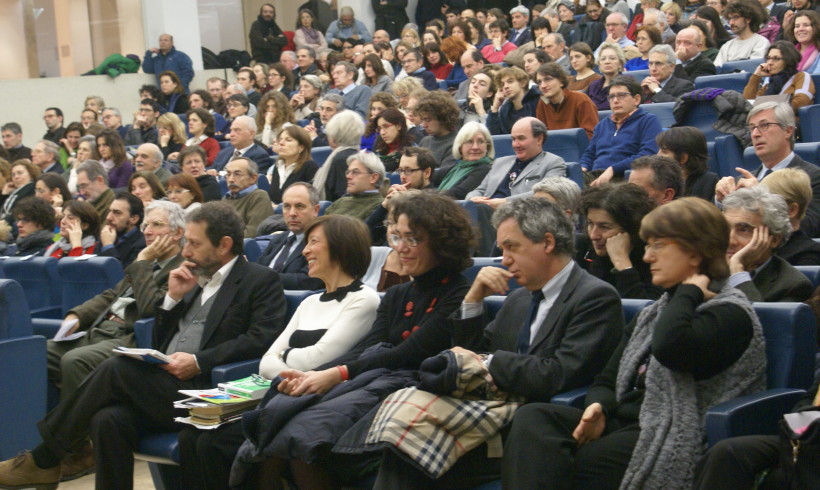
x=209 y=409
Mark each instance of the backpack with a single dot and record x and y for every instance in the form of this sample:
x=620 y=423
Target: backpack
x=234 y=59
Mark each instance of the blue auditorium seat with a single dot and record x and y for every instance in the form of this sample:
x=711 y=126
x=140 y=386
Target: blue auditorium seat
x=638 y=75
x=569 y=144
x=323 y=205
x=223 y=185
x=252 y=250
x=742 y=65
x=812 y=272
x=663 y=111
x=809 y=123
x=727 y=154
x=727 y=81
x=23 y=368
x=809 y=152
x=320 y=154
x=224 y=144
x=702 y=116
x=40 y=281
x=502 y=143
x=575 y=173
x=262 y=182
x=479 y=263
x=394 y=177
x=816 y=80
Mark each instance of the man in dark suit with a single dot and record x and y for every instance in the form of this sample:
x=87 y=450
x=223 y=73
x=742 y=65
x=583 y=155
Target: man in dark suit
x=121 y=237
x=243 y=131
x=758 y=223
x=218 y=309
x=520 y=34
x=300 y=206
x=553 y=334
x=661 y=85
x=688 y=46
x=772 y=129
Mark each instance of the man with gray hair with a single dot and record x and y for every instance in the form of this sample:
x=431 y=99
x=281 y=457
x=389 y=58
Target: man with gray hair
x=660 y=177
x=356 y=97
x=347 y=27
x=365 y=179
x=243 y=145
x=655 y=18
x=13 y=142
x=46 y=155
x=92 y=185
x=148 y=157
x=520 y=33
x=288 y=60
x=662 y=85
x=251 y=203
x=616 y=24
x=758 y=224
x=556 y=47
x=562 y=191
x=329 y=105
x=772 y=127
x=553 y=334
x=305 y=64
x=112 y=119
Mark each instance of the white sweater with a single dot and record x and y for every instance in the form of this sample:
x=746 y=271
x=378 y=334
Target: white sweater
x=748 y=49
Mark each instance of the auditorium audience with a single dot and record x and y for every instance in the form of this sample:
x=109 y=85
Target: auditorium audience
x=438 y=113
x=20 y=185
x=611 y=62
x=92 y=186
x=804 y=32
x=275 y=114
x=662 y=85
x=782 y=77
x=514 y=99
x=582 y=62
x=560 y=107
x=176 y=100
x=250 y=203
x=294 y=163
x=745 y=19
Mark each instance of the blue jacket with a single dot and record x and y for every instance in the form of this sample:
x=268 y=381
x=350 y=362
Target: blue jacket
x=618 y=148
x=175 y=61
x=255 y=153
x=502 y=121
x=428 y=80
x=456 y=76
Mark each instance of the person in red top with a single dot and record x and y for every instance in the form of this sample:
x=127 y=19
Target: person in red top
x=559 y=107
x=499 y=47
x=80 y=229
x=436 y=61
x=201 y=126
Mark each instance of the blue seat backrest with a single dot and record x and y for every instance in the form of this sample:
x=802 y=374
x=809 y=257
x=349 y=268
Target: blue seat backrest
x=816 y=80
x=294 y=299
x=638 y=75
x=744 y=65
x=502 y=143
x=323 y=205
x=320 y=154
x=663 y=111
x=809 y=152
x=263 y=241
x=712 y=160
x=394 y=177
x=223 y=186
x=790 y=332
x=224 y=144
x=39 y=279
x=15 y=321
x=603 y=115
x=702 y=116
x=727 y=81
x=812 y=272
x=83 y=279
x=472 y=210
x=479 y=262
x=493 y=305
x=252 y=250
x=632 y=307
x=262 y=182
x=568 y=144
x=575 y=173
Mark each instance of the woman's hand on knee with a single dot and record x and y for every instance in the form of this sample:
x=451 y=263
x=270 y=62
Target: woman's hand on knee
x=591 y=426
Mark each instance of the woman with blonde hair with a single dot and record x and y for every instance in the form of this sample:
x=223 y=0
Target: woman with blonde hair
x=794 y=185
x=171 y=135
x=274 y=114
x=611 y=61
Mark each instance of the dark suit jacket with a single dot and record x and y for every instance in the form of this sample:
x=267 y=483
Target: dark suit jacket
x=255 y=153
x=428 y=79
x=674 y=88
x=800 y=250
x=777 y=282
x=810 y=224
x=304 y=174
x=524 y=38
x=294 y=273
x=247 y=315
x=699 y=67
x=127 y=251
x=148 y=290
x=580 y=332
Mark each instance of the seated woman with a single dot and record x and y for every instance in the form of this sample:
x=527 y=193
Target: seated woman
x=324 y=327
x=687 y=146
x=390 y=127
x=582 y=61
x=673 y=16
x=480 y=97
x=280 y=79
x=379 y=101
x=146 y=187
x=237 y=105
x=708 y=50
x=612 y=248
x=714 y=24
x=192 y=161
x=174 y=92
x=611 y=62
x=794 y=185
x=778 y=75
x=433 y=238
x=294 y=163
x=114 y=159
x=261 y=72
x=80 y=230
x=201 y=99
x=453 y=48
x=201 y=126
x=804 y=32
x=86 y=150
x=274 y=114
x=646 y=38
x=474 y=153
x=436 y=61
x=35 y=224
x=171 y=135
x=305 y=102
x=183 y=190
x=307 y=34
x=374 y=75
x=70 y=142
x=699 y=345
x=344 y=134
x=52 y=189
x=20 y=185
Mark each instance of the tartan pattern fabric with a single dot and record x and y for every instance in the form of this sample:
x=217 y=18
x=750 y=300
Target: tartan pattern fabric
x=435 y=430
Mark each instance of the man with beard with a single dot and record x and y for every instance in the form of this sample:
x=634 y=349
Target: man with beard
x=267 y=39
x=121 y=237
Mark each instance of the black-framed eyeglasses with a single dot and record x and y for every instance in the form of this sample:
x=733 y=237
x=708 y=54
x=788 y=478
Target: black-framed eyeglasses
x=407 y=171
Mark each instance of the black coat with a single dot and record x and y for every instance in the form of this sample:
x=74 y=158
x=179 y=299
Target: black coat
x=294 y=272
x=305 y=173
x=127 y=250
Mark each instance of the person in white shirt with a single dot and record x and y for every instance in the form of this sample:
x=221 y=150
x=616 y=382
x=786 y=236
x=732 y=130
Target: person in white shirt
x=745 y=19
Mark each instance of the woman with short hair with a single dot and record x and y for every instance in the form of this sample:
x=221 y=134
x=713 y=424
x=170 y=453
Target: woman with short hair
x=174 y=92
x=474 y=154
x=19 y=185
x=392 y=137
x=35 y=224
x=192 y=161
x=344 y=135
x=778 y=75
x=171 y=135
x=306 y=100
x=201 y=126
x=80 y=230
x=646 y=38
x=582 y=61
x=183 y=190
x=611 y=61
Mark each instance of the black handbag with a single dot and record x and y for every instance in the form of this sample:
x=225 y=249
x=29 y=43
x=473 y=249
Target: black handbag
x=800 y=455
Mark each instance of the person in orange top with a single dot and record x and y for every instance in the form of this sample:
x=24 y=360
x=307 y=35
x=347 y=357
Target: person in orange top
x=559 y=107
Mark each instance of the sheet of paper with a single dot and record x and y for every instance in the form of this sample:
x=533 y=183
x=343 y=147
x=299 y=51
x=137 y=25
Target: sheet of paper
x=799 y=421
x=67 y=325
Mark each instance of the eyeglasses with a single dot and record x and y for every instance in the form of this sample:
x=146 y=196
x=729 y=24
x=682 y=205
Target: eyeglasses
x=176 y=192
x=656 y=246
x=356 y=173
x=410 y=241
x=407 y=171
x=774 y=58
x=763 y=127
x=153 y=224
x=620 y=96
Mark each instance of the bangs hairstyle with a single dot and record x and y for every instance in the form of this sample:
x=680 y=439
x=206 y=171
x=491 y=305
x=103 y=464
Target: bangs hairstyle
x=627 y=204
x=348 y=242
x=447 y=226
x=396 y=118
x=206 y=118
x=151 y=179
x=685 y=141
x=303 y=138
x=697 y=226
x=188 y=182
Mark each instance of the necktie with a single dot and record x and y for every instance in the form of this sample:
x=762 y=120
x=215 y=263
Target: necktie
x=279 y=264
x=236 y=154
x=765 y=174
x=526 y=329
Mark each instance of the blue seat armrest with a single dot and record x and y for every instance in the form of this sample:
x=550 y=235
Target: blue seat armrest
x=757 y=413
x=143 y=332
x=23 y=364
x=234 y=371
x=572 y=398
x=50 y=312
x=46 y=327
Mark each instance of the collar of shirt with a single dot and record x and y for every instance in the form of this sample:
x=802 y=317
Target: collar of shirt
x=663 y=83
x=242 y=151
x=212 y=285
x=163 y=263
x=693 y=58
x=780 y=165
x=348 y=89
x=244 y=192
x=619 y=123
x=196 y=141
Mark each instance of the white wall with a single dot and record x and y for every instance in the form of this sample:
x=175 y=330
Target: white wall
x=162 y=16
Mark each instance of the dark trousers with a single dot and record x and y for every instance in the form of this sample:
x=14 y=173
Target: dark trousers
x=206 y=456
x=734 y=464
x=119 y=400
x=540 y=451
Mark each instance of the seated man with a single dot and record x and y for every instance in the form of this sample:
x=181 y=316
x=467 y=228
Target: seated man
x=520 y=33
x=688 y=48
x=92 y=185
x=356 y=97
x=661 y=85
x=616 y=25
x=514 y=99
x=559 y=107
x=745 y=19
x=495 y=51
x=437 y=114
x=758 y=224
x=13 y=142
x=659 y=176
x=121 y=237
x=234 y=317
x=243 y=131
x=514 y=176
x=414 y=67
x=251 y=203
x=144 y=129
x=305 y=64
x=553 y=334
x=329 y=105
x=300 y=206
x=112 y=119
x=621 y=138
x=365 y=178
x=687 y=146
x=46 y=156
x=148 y=157
x=247 y=78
